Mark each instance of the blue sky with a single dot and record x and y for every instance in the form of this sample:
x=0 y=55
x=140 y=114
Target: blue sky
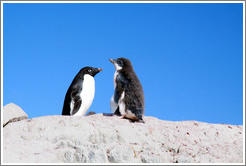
x=188 y=57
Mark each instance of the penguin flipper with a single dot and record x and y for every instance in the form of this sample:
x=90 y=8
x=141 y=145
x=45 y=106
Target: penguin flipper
x=117 y=94
x=118 y=91
x=77 y=101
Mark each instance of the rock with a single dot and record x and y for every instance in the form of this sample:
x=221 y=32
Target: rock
x=12 y=113
x=108 y=139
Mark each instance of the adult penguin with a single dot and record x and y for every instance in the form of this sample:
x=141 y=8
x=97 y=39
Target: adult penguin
x=80 y=93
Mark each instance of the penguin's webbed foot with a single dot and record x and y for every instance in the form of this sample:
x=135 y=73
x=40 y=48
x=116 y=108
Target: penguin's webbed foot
x=90 y=113
x=136 y=121
x=122 y=117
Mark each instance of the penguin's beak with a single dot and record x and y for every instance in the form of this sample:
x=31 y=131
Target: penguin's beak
x=112 y=60
x=96 y=70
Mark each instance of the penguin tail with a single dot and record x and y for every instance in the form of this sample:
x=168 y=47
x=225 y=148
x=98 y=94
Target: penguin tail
x=141 y=120
x=139 y=115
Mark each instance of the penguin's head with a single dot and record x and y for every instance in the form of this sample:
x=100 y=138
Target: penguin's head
x=121 y=63
x=91 y=70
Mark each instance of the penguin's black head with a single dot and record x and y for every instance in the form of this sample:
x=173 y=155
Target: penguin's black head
x=120 y=63
x=91 y=70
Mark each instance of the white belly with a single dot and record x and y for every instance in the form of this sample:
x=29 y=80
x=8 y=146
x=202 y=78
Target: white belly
x=87 y=94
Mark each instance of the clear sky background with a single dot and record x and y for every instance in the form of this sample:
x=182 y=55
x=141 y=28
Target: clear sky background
x=188 y=57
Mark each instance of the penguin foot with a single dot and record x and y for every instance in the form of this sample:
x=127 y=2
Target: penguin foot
x=136 y=121
x=90 y=113
x=117 y=114
x=122 y=117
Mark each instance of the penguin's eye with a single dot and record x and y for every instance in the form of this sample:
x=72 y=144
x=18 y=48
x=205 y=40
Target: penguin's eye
x=120 y=63
x=89 y=70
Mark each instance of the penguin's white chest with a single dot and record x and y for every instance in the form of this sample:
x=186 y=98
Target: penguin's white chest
x=87 y=94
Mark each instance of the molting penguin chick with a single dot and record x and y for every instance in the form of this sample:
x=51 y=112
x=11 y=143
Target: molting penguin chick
x=128 y=98
x=81 y=92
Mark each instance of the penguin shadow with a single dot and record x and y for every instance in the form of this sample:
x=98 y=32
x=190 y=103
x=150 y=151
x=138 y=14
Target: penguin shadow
x=104 y=114
x=119 y=116
x=108 y=114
